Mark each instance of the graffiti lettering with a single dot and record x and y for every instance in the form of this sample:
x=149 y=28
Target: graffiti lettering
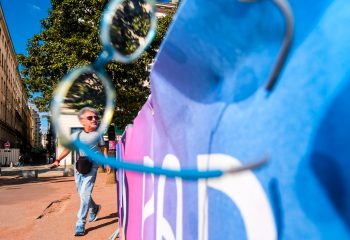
x=244 y=189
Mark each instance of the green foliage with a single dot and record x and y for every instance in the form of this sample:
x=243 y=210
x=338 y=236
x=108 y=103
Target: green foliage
x=39 y=150
x=70 y=38
x=130 y=24
x=87 y=91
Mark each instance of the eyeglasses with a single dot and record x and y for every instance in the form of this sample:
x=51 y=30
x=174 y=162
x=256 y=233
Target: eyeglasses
x=127 y=28
x=92 y=117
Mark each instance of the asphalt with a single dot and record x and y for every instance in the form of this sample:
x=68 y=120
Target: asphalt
x=46 y=207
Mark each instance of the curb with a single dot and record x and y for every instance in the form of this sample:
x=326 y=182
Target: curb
x=38 y=170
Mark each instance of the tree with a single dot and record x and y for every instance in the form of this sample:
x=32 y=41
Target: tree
x=69 y=39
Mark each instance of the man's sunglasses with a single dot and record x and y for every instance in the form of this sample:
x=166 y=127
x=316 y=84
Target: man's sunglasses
x=91 y=117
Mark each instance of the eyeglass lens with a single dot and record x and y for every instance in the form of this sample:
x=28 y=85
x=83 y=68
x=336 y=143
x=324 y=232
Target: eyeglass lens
x=91 y=117
x=130 y=25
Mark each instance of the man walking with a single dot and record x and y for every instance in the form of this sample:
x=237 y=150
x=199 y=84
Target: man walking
x=85 y=170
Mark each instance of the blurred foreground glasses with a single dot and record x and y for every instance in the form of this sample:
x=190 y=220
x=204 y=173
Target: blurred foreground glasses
x=127 y=28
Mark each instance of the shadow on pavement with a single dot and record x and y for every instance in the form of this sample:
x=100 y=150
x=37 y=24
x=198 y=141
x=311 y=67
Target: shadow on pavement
x=101 y=225
x=112 y=215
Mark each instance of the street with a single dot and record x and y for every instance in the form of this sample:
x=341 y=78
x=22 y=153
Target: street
x=46 y=207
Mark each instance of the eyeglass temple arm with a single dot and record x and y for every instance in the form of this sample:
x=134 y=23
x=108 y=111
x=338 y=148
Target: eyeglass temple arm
x=284 y=7
x=190 y=174
x=287 y=42
x=248 y=166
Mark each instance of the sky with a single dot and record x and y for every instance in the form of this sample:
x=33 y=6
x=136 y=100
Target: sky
x=23 y=21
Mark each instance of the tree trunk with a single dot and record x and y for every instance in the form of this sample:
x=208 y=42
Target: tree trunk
x=110 y=177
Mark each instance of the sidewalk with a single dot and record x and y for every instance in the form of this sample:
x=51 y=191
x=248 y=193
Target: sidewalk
x=46 y=207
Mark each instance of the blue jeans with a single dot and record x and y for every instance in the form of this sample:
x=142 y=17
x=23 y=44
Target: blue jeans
x=85 y=184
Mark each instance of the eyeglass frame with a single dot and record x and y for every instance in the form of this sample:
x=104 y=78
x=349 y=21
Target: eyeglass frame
x=110 y=53
x=92 y=117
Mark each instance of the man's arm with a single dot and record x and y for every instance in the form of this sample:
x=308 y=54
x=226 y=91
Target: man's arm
x=64 y=154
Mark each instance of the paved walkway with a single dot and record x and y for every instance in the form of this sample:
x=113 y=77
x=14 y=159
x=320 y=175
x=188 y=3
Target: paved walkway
x=46 y=207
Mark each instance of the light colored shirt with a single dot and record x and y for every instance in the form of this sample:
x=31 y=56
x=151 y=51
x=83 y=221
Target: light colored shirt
x=91 y=139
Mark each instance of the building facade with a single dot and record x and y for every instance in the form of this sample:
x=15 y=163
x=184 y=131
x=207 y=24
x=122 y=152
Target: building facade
x=70 y=123
x=14 y=111
x=164 y=7
x=44 y=140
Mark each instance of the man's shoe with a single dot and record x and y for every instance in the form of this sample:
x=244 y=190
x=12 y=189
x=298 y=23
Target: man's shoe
x=79 y=231
x=93 y=215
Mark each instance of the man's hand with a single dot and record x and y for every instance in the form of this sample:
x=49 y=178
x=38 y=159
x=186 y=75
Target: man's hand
x=55 y=164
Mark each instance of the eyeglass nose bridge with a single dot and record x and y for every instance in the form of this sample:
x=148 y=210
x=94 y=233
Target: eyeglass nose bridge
x=284 y=7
